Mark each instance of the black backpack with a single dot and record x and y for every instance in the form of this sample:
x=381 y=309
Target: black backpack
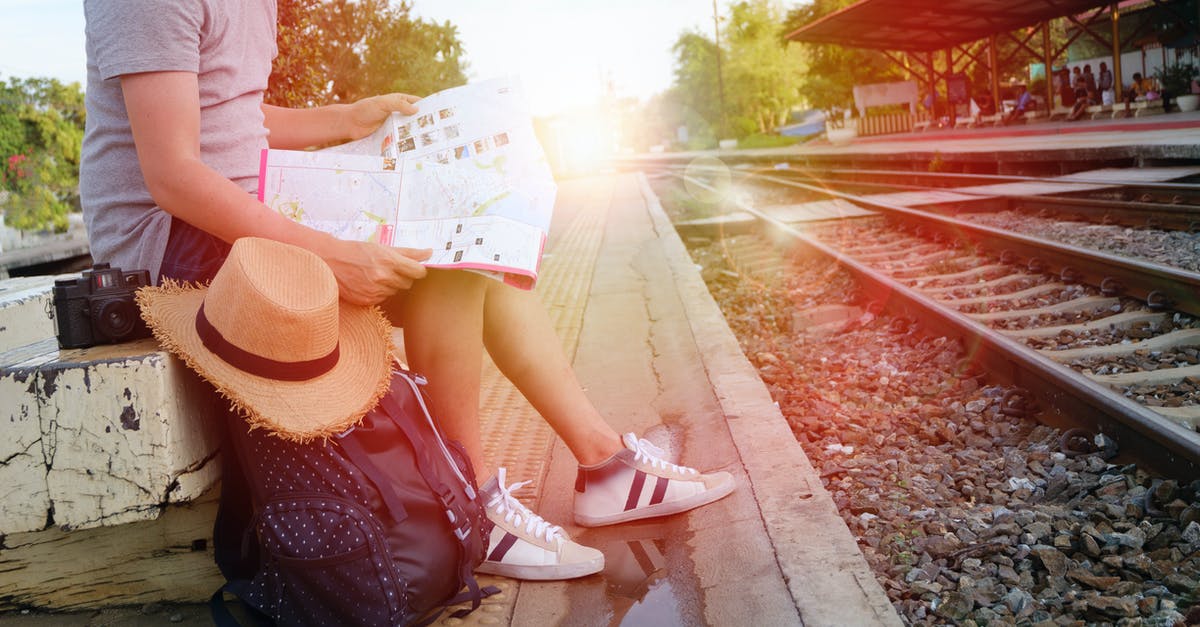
x=382 y=525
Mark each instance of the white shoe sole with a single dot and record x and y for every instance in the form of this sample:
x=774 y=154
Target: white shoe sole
x=542 y=572
x=661 y=509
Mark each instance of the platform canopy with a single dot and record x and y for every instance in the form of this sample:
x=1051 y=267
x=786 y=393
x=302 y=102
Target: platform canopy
x=927 y=25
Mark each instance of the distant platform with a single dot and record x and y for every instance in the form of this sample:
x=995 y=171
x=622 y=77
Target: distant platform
x=1039 y=148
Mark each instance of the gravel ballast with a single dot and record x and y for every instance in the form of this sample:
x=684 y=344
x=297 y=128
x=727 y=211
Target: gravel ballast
x=969 y=512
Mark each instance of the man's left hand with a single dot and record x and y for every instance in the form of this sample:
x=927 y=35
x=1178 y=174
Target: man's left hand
x=367 y=114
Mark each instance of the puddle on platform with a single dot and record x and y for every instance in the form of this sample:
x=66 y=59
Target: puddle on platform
x=635 y=573
x=641 y=581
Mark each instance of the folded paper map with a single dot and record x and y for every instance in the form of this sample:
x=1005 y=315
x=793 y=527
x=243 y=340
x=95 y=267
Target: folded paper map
x=465 y=176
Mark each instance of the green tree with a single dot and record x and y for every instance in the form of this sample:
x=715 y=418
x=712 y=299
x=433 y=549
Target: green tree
x=832 y=71
x=343 y=50
x=41 y=131
x=762 y=73
x=759 y=69
x=694 y=100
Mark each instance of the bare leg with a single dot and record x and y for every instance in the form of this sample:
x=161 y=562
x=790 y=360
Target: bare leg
x=447 y=318
x=521 y=340
x=442 y=317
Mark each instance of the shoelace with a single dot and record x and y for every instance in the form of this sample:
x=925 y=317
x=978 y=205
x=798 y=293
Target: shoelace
x=644 y=450
x=505 y=503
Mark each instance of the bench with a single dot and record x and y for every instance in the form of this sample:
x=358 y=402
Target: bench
x=94 y=438
x=995 y=119
x=1037 y=115
x=1099 y=112
x=968 y=121
x=1138 y=109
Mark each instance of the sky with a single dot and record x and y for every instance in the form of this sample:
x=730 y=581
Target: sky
x=563 y=50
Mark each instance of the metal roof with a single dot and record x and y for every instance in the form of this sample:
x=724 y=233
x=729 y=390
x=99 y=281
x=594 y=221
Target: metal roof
x=926 y=25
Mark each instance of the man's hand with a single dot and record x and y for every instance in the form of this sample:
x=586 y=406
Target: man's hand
x=364 y=116
x=368 y=273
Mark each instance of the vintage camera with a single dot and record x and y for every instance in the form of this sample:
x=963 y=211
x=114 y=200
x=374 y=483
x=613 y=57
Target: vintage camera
x=99 y=308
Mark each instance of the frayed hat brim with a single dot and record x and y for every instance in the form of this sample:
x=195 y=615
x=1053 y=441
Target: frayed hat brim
x=300 y=411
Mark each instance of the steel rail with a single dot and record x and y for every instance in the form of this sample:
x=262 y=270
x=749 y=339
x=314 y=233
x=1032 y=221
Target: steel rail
x=1013 y=178
x=1174 y=216
x=1164 y=445
x=1160 y=286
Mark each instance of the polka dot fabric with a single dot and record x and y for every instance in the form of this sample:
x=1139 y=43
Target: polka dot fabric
x=357 y=530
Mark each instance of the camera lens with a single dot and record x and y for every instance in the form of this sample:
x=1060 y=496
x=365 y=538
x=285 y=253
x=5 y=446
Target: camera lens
x=114 y=318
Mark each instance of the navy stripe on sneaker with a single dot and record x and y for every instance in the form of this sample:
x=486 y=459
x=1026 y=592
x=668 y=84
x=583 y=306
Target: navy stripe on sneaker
x=635 y=490
x=660 y=490
x=502 y=548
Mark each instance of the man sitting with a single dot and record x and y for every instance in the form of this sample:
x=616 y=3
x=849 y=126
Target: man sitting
x=1023 y=101
x=1140 y=89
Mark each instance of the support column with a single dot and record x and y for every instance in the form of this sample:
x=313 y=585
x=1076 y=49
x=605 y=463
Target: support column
x=993 y=64
x=1049 y=61
x=952 y=108
x=932 y=75
x=1118 y=85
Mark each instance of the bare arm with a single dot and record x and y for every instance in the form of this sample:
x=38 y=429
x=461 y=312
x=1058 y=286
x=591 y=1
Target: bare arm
x=164 y=113
x=296 y=129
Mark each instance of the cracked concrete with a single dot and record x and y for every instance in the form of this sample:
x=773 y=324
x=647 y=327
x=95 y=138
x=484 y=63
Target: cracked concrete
x=99 y=436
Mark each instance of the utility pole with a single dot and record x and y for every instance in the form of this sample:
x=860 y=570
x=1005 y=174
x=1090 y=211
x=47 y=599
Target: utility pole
x=720 y=77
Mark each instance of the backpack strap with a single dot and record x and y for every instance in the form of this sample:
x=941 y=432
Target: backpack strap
x=455 y=511
x=460 y=522
x=357 y=454
x=235 y=546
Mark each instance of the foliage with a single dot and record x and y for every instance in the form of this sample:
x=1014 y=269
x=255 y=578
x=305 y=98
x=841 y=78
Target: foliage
x=832 y=71
x=759 y=71
x=343 y=50
x=759 y=140
x=695 y=94
x=41 y=131
x=1176 y=79
x=763 y=74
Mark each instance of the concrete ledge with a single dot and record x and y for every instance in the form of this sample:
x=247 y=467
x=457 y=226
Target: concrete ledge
x=98 y=436
x=26 y=311
x=829 y=579
x=1147 y=108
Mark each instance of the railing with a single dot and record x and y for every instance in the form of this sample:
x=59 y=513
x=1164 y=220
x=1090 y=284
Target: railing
x=885 y=124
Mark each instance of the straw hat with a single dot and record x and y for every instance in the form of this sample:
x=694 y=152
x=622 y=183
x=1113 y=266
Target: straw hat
x=271 y=335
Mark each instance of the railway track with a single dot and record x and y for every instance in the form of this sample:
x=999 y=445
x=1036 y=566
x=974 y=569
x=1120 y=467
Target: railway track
x=1170 y=205
x=1108 y=344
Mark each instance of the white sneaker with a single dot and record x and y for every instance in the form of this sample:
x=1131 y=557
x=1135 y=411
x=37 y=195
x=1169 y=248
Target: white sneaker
x=524 y=546
x=637 y=483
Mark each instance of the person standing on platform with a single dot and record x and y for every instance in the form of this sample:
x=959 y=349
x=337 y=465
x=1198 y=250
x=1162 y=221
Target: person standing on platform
x=1104 y=83
x=1089 y=81
x=1066 y=90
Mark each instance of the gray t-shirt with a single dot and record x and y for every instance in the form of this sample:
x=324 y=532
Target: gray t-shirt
x=229 y=44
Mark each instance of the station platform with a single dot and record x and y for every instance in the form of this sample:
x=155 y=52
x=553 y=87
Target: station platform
x=1035 y=149
x=657 y=358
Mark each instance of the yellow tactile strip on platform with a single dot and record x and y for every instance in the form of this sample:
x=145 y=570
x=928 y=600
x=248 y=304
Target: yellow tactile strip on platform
x=514 y=435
